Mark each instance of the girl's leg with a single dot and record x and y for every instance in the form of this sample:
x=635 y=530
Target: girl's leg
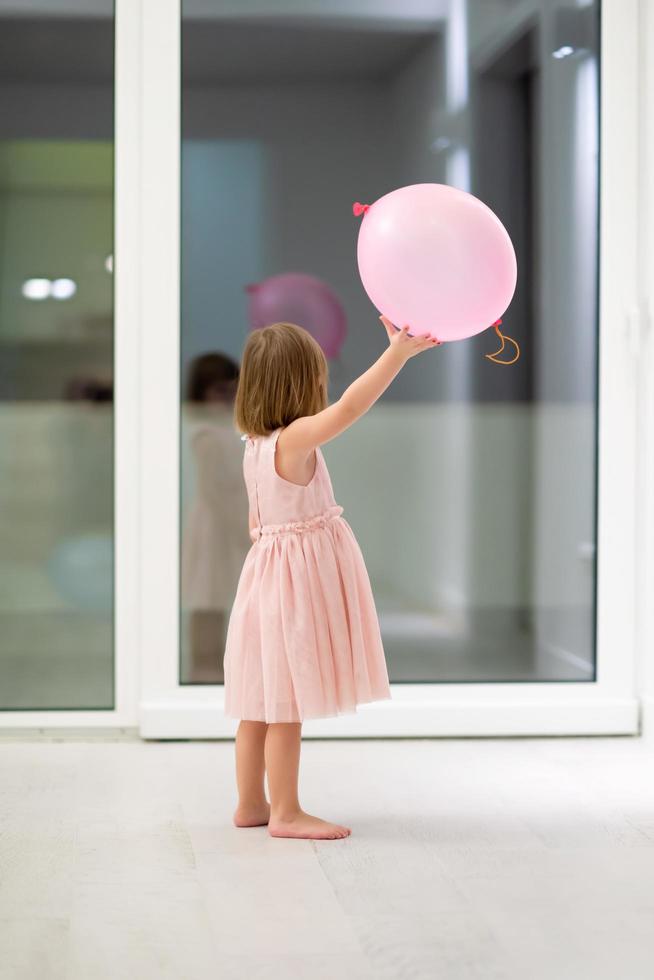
x=287 y=819
x=253 y=809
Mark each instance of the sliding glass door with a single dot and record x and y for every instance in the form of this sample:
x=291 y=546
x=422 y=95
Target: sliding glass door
x=488 y=573
x=56 y=365
x=493 y=504
x=472 y=487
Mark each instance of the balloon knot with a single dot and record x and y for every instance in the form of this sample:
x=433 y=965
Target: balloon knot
x=359 y=209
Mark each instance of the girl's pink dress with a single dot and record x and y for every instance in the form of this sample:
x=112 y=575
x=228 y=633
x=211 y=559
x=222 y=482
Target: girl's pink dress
x=303 y=639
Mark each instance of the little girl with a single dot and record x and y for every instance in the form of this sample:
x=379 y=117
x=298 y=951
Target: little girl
x=303 y=639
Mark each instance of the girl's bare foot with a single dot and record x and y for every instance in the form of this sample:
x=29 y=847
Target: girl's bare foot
x=252 y=816
x=303 y=825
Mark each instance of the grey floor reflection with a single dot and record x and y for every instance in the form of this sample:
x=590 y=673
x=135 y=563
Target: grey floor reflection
x=56 y=586
x=485 y=647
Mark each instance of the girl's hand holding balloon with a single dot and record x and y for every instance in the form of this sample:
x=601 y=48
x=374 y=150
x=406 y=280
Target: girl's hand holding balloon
x=305 y=433
x=406 y=345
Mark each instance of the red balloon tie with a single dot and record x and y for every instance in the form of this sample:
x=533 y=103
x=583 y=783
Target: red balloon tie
x=359 y=209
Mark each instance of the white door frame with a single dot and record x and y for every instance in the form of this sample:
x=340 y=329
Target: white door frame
x=609 y=704
x=127 y=430
x=147 y=420
x=645 y=347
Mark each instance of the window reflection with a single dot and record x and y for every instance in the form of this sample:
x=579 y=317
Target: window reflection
x=215 y=528
x=471 y=488
x=56 y=371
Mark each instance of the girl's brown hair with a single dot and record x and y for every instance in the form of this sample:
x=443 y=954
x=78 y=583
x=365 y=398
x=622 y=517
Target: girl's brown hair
x=283 y=377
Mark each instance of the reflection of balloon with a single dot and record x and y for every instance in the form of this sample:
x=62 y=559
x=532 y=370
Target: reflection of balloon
x=437 y=259
x=298 y=298
x=82 y=570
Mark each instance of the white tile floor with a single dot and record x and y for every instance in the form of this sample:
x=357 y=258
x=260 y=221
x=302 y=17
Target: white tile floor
x=494 y=860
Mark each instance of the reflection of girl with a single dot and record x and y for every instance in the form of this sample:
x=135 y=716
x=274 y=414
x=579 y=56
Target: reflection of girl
x=216 y=534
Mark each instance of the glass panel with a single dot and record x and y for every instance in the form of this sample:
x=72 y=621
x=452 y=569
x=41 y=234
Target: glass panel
x=471 y=487
x=56 y=334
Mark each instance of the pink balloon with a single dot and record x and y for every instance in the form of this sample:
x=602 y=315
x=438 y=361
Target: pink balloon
x=437 y=259
x=298 y=298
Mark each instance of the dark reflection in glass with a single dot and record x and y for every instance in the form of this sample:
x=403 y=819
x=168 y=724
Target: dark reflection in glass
x=215 y=535
x=471 y=487
x=56 y=371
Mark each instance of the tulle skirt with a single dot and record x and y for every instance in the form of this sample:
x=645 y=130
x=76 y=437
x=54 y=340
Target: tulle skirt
x=303 y=639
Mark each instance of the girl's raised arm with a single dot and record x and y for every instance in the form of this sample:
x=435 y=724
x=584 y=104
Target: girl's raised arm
x=305 y=434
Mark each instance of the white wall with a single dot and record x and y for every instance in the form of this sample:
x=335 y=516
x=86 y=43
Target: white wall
x=645 y=498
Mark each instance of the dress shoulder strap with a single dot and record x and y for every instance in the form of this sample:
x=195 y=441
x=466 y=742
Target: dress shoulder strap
x=271 y=446
x=260 y=451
